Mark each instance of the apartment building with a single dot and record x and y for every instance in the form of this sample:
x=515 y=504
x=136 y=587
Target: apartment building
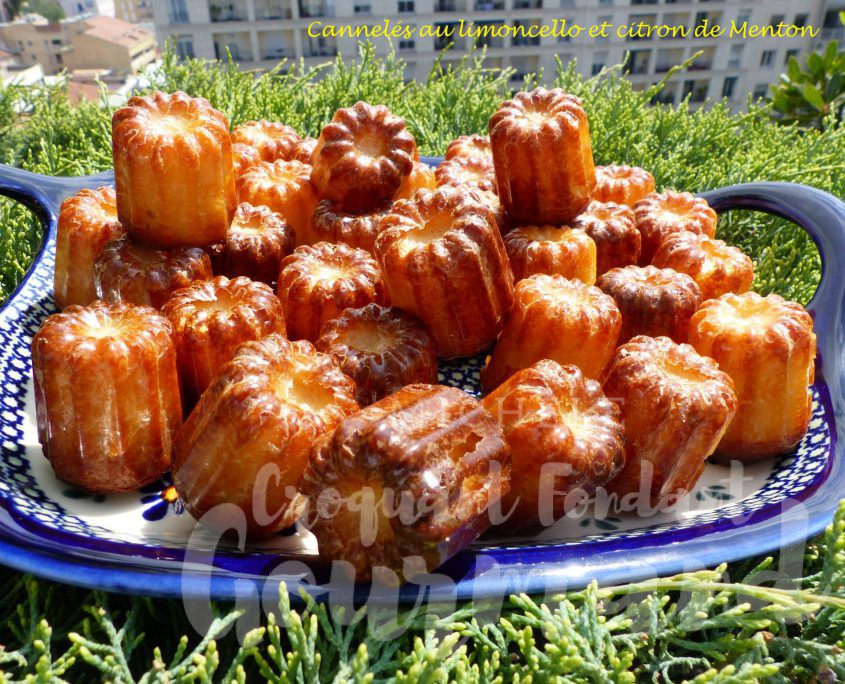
x=259 y=33
x=79 y=43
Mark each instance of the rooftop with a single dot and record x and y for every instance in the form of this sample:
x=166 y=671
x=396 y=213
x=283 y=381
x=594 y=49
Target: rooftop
x=116 y=31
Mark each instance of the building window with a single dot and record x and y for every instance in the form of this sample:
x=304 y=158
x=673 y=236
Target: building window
x=789 y=54
x=728 y=87
x=776 y=19
x=735 y=58
x=760 y=91
x=599 y=60
x=406 y=6
x=178 y=13
x=801 y=19
x=607 y=2
x=363 y=9
x=767 y=59
x=743 y=16
x=184 y=47
x=407 y=44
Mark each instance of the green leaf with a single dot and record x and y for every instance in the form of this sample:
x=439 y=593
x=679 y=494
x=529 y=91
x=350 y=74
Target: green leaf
x=793 y=69
x=812 y=94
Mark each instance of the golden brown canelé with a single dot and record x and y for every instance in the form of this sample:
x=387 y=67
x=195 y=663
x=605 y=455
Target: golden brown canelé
x=244 y=157
x=258 y=240
x=87 y=221
x=331 y=224
x=469 y=146
x=652 y=301
x=443 y=260
x=421 y=178
x=542 y=156
x=319 y=281
x=566 y=439
x=127 y=272
x=614 y=230
x=211 y=319
x=767 y=346
x=106 y=395
x=476 y=172
x=248 y=440
x=173 y=170
x=658 y=215
x=716 y=267
x=553 y=250
x=285 y=188
x=555 y=318
x=381 y=348
x=272 y=140
x=431 y=462
x=303 y=150
x=622 y=184
x=362 y=157
x=676 y=405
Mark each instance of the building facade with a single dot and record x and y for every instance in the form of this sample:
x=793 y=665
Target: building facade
x=259 y=33
x=79 y=43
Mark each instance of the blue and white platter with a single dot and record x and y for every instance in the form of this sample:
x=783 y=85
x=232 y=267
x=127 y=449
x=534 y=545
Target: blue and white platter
x=144 y=542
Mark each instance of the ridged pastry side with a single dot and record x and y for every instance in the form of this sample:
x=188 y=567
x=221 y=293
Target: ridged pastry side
x=272 y=140
x=330 y=223
x=614 y=230
x=421 y=178
x=659 y=215
x=552 y=250
x=622 y=184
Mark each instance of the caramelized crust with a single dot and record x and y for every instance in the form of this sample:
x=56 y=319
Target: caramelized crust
x=127 y=272
x=444 y=261
x=258 y=240
x=303 y=150
x=622 y=184
x=421 y=178
x=244 y=157
x=659 y=215
x=319 y=281
x=247 y=441
x=565 y=436
x=87 y=221
x=476 y=172
x=427 y=461
x=470 y=146
x=106 y=395
x=549 y=249
x=614 y=230
x=173 y=170
x=715 y=266
x=541 y=151
x=362 y=157
x=331 y=224
x=676 y=406
x=211 y=319
x=559 y=319
x=381 y=348
x=653 y=301
x=272 y=140
x=285 y=188
x=767 y=345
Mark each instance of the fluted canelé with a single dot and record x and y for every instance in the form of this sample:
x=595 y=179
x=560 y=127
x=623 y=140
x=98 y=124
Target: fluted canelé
x=676 y=406
x=381 y=348
x=542 y=155
x=552 y=250
x=106 y=395
x=443 y=260
x=566 y=439
x=614 y=230
x=412 y=479
x=240 y=454
x=319 y=281
x=622 y=184
x=559 y=319
x=362 y=157
x=659 y=215
x=87 y=221
x=421 y=178
x=173 y=170
x=767 y=345
x=330 y=223
x=211 y=319
x=272 y=140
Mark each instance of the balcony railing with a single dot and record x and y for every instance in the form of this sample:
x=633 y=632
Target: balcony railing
x=219 y=14
x=272 y=12
x=519 y=41
x=700 y=66
x=327 y=51
x=276 y=53
x=449 y=6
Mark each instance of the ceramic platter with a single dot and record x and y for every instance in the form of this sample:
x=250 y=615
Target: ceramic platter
x=144 y=542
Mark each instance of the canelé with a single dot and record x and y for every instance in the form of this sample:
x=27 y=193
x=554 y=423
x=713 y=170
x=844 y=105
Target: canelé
x=272 y=140
x=330 y=223
x=475 y=172
x=614 y=230
x=443 y=260
x=767 y=345
x=106 y=395
x=238 y=458
x=381 y=348
x=622 y=184
x=469 y=146
x=406 y=483
x=659 y=215
x=552 y=250
x=421 y=178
